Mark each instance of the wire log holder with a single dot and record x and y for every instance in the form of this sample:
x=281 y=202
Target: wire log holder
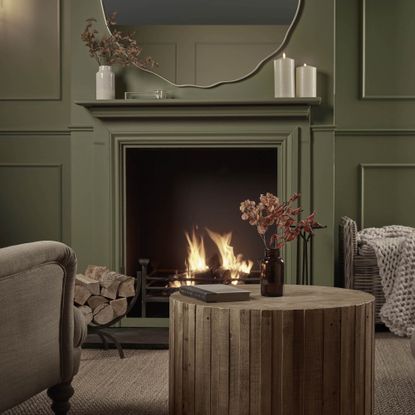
x=106 y=337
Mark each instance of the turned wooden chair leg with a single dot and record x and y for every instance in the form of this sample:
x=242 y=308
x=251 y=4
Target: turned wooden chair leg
x=60 y=395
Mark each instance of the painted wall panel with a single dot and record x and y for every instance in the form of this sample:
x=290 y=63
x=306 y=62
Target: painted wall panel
x=30 y=38
x=35 y=196
x=387 y=58
x=387 y=194
x=31 y=203
x=352 y=112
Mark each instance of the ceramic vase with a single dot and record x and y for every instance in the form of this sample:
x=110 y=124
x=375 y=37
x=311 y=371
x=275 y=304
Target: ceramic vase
x=105 y=83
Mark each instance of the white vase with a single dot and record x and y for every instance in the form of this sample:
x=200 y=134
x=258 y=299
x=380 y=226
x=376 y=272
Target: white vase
x=105 y=85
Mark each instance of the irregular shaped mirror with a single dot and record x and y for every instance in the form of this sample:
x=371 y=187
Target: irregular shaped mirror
x=206 y=42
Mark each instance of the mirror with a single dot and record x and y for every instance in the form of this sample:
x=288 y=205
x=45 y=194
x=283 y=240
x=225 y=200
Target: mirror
x=205 y=43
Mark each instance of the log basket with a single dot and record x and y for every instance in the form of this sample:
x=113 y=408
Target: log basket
x=106 y=337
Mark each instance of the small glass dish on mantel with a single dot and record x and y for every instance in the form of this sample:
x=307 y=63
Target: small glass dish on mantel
x=155 y=94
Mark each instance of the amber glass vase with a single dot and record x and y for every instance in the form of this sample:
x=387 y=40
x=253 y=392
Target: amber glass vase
x=272 y=274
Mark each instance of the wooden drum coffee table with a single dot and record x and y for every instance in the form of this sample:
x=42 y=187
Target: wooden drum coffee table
x=309 y=352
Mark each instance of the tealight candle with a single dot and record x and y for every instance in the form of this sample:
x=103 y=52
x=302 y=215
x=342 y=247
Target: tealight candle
x=306 y=81
x=284 y=77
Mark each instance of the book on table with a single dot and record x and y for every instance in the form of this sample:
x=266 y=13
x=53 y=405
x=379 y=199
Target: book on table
x=215 y=293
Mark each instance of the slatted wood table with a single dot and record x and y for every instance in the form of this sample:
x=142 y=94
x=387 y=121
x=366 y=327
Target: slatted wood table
x=309 y=352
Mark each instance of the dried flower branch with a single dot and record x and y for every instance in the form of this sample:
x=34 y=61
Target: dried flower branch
x=118 y=47
x=271 y=213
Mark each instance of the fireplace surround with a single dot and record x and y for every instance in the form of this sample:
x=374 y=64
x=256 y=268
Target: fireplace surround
x=273 y=136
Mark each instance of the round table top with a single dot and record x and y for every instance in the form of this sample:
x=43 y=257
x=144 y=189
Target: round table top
x=296 y=297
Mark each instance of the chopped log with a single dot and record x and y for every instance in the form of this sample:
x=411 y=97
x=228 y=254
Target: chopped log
x=87 y=313
x=111 y=291
x=96 y=300
x=127 y=288
x=81 y=294
x=103 y=314
x=95 y=272
x=91 y=284
x=119 y=306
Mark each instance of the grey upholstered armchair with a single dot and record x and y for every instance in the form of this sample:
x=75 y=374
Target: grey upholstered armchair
x=40 y=333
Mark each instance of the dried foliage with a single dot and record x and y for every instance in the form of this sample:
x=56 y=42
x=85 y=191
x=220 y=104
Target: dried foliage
x=280 y=217
x=117 y=47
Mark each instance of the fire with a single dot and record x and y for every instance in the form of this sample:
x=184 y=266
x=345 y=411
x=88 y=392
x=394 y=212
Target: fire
x=235 y=264
x=196 y=259
x=231 y=266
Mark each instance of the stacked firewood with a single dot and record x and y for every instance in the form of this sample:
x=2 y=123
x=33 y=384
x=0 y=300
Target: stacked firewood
x=101 y=295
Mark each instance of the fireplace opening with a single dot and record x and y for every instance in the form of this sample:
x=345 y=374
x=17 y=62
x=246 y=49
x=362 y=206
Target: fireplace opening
x=174 y=191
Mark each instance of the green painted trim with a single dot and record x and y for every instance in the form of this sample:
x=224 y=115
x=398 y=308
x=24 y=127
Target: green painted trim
x=59 y=40
x=286 y=142
x=34 y=132
x=363 y=167
x=144 y=322
x=81 y=128
x=61 y=178
x=196 y=102
x=375 y=132
x=322 y=128
x=364 y=95
x=176 y=108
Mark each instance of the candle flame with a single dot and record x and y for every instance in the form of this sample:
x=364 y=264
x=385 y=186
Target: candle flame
x=283 y=55
x=305 y=64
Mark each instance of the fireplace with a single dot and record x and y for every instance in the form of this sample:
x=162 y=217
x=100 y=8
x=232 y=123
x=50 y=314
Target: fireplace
x=195 y=190
x=157 y=151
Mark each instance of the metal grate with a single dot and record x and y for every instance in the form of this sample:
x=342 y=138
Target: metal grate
x=156 y=284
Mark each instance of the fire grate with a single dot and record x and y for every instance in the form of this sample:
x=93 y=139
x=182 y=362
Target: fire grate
x=158 y=284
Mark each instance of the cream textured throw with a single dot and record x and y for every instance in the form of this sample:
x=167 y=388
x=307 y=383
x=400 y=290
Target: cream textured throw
x=395 y=251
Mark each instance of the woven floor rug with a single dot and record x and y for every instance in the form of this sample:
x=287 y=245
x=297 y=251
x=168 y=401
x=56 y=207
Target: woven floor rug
x=138 y=385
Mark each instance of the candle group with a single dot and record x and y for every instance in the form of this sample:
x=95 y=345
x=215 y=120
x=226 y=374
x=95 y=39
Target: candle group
x=290 y=82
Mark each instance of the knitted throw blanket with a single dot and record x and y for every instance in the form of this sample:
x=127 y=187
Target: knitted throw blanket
x=395 y=251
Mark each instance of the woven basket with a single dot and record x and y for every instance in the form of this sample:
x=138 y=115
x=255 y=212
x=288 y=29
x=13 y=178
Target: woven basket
x=359 y=264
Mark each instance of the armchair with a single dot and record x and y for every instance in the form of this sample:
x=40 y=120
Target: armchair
x=40 y=332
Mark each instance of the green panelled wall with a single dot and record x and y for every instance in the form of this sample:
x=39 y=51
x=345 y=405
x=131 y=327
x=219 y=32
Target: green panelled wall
x=375 y=123
x=35 y=147
x=52 y=157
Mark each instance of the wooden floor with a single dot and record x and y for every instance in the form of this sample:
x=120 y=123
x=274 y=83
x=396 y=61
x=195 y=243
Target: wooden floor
x=133 y=338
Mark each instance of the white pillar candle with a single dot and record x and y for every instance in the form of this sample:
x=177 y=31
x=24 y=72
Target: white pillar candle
x=306 y=81
x=284 y=77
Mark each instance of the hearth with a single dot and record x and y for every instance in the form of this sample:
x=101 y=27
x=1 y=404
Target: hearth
x=182 y=219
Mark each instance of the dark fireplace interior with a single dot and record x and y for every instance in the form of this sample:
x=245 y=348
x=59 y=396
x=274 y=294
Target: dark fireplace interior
x=170 y=191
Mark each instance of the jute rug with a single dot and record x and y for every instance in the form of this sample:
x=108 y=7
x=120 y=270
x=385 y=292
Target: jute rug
x=138 y=385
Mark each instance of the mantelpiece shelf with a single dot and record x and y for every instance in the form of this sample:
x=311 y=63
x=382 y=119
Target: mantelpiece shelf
x=280 y=107
x=187 y=102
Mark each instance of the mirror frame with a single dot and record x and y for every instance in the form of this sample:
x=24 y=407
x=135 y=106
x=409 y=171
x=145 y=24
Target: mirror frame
x=283 y=44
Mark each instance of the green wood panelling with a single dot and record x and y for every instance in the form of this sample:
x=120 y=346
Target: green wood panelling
x=34 y=178
x=387 y=59
x=347 y=131
x=387 y=194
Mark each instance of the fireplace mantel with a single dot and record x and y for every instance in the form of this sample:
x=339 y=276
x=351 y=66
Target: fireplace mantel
x=119 y=126
x=173 y=108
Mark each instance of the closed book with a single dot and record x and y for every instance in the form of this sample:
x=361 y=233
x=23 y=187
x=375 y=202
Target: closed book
x=215 y=293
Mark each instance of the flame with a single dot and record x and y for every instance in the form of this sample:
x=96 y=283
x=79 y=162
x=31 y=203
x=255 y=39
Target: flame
x=196 y=259
x=235 y=264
